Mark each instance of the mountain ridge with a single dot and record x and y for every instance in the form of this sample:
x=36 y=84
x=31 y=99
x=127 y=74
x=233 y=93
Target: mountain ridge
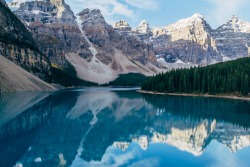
x=66 y=43
x=99 y=52
x=18 y=46
x=193 y=42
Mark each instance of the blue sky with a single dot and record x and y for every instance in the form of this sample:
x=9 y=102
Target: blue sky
x=164 y=12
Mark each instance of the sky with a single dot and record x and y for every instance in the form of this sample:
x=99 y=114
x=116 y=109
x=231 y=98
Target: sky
x=163 y=12
x=160 y=13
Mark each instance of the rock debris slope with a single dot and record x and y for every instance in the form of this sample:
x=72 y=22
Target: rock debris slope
x=14 y=78
x=96 y=51
x=18 y=49
x=112 y=53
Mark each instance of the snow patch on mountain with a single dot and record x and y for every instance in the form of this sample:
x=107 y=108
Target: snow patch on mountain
x=236 y=25
x=16 y=3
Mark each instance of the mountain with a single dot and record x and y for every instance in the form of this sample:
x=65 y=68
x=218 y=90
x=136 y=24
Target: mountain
x=233 y=39
x=87 y=47
x=86 y=44
x=191 y=41
x=18 y=46
x=112 y=53
x=184 y=43
x=53 y=27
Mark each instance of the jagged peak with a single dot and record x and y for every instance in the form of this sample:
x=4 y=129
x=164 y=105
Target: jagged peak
x=196 y=19
x=122 y=25
x=143 y=22
x=17 y=3
x=236 y=25
x=234 y=18
x=197 y=15
x=88 y=11
x=143 y=27
x=93 y=16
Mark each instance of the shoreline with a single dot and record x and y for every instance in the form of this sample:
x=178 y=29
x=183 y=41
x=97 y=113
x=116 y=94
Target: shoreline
x=197 y=95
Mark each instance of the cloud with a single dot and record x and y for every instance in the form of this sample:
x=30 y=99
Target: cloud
x=146 y=163
x=144 y=4
x=225 y=158
x=224 y=9
x=109 y=159
x=112 y=8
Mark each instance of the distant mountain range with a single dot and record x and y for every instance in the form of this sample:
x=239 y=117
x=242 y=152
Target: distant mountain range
x=192 y=41
x=86 y=47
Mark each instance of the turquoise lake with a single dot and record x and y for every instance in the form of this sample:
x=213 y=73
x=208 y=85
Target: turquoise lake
x=121 y=127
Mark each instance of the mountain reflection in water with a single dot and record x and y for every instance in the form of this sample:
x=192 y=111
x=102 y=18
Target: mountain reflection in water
x=120 y=127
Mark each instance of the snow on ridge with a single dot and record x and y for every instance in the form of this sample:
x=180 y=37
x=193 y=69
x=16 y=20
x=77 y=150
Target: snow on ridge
x=237 y=25
x=17 y=3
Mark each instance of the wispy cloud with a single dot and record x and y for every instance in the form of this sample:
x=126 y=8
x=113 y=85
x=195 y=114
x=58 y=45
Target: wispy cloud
x=144 y=4
x=150 y=162
x=112 y=8
x=224 y=9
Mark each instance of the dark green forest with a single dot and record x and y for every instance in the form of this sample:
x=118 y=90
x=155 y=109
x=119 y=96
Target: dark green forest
x=67 y=77
x=130 y=79
x=231 y=77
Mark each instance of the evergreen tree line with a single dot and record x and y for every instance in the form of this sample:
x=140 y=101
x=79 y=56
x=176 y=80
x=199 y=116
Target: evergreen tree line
x=221 y=78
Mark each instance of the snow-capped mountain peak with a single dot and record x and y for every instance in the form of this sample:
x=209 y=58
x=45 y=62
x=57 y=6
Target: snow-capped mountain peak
x=17 y=3
x=143 y=27
x=236 y=25
x=197 y=15
x=122 y=25
x=191 y=21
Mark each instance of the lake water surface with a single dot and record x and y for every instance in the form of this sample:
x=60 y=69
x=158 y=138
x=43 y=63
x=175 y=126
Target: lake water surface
x=121 y=127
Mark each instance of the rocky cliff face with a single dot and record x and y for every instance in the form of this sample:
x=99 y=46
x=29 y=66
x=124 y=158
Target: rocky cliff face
x=53 y=27
x=233 y=39
x=112 y=53
x=17 y=44
x=97 y=52
x=191 y=41
x=122 y=25
x=188 y=40
x=107 y=39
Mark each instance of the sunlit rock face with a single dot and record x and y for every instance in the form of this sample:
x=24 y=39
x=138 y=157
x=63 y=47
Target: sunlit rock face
x=188 y=40
x=122 y=25
x=143 y=27
x=192 y=41
x=84 y=42
x=107 y=39
x=233 y=38
x=112 y=53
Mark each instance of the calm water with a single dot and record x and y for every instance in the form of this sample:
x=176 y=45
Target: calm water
x=120 y=127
